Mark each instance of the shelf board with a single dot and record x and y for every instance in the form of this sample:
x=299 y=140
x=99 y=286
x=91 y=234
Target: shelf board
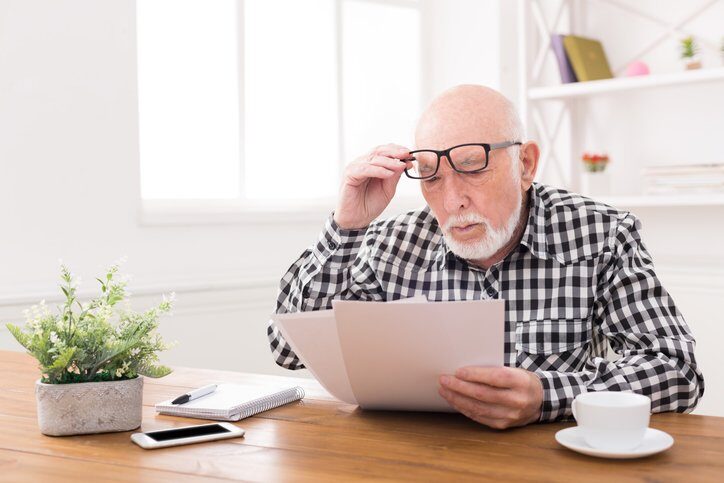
x=619 y=84
x=634 y=201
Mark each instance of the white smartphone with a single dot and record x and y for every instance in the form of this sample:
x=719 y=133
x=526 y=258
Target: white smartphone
x=164 y=438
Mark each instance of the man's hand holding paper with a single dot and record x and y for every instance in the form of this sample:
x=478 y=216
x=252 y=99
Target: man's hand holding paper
x=499 y=397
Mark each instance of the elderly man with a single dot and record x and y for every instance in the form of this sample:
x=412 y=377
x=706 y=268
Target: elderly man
x=575 y=273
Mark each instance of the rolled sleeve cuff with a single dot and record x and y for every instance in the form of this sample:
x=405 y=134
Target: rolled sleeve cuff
x=336 y=246
x=559 y=390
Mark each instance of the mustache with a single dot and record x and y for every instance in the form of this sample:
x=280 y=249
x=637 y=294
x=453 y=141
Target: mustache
x=464 y=220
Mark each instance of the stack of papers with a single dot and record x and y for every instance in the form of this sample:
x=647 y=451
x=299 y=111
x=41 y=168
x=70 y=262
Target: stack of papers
x=390 y=355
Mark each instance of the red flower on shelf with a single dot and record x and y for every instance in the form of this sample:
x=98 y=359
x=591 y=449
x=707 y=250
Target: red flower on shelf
x=594 y=162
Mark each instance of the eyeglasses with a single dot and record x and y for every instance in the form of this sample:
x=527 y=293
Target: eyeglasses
x=463 y=158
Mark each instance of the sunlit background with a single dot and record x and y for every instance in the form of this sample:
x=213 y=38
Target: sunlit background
x=206 y=139
x=291 y=95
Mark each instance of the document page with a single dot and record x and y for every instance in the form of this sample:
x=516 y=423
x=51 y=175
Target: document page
x=313 y=337
x=394 y=353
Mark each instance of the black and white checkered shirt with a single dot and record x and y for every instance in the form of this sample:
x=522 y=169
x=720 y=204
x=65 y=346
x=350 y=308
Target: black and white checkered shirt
x=580 y=279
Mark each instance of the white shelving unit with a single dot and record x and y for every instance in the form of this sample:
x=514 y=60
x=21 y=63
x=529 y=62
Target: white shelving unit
x=610 y=86
x=570 y=100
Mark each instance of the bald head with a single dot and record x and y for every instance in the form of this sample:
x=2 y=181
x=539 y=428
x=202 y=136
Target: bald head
x=466 y=114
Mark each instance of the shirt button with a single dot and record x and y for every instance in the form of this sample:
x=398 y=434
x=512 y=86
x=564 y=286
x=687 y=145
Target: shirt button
x=491 y=292
x=332 y=245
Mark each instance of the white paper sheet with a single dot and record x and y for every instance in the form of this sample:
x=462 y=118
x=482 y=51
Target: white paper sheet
x=313 y=338
x=394 y=353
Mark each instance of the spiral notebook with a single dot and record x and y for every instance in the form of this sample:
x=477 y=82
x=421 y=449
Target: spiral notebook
x=232 y=402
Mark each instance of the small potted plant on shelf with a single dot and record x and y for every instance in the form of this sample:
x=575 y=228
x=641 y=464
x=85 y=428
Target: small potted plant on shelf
x=92 y=356
x=690 y=53
x=595 y=180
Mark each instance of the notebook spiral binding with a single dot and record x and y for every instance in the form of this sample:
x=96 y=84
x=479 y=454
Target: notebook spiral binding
x=271 y=402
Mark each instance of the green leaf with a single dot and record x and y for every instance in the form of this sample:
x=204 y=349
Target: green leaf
x=19 y=335
x=63 y=360
x=154 y=371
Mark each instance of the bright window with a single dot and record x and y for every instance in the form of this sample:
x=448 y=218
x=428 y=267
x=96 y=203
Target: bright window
x=274 y=109
x=188 y=91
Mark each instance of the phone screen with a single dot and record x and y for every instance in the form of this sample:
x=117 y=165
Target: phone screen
x=190 y=432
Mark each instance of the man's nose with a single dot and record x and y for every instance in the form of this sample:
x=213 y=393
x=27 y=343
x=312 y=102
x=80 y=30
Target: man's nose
x=455 y=197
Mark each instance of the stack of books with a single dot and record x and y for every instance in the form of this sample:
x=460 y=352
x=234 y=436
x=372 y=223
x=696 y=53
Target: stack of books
x=684 y=179
x=580 y=59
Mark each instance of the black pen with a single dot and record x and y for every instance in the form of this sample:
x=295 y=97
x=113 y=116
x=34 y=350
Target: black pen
x=195 y=394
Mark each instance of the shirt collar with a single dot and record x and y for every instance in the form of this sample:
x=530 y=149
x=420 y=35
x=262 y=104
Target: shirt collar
x=534 y=237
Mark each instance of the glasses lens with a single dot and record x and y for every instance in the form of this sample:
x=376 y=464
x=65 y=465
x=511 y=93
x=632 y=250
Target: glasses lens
x=468 y=158
x=424 y=164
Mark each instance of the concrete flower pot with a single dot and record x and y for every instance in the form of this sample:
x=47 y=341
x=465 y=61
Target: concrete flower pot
x=89 y=407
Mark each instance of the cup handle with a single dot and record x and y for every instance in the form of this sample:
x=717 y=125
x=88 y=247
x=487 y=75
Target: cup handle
x=573 y=409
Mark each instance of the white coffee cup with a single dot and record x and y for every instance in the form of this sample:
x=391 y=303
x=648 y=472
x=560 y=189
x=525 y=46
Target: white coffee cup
x=611 y=420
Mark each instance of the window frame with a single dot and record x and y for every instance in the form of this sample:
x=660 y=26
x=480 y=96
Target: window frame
x=213 y=211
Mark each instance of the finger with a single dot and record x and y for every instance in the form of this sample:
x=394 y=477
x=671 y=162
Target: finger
x=481 y=412
x=389 y=163
x=501 y=377
x=490 y=422
x=363 y=171
x=391 y=150
x=483 y=392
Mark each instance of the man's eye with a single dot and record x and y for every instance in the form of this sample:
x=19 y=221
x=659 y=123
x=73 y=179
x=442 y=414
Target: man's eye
x=431 y=180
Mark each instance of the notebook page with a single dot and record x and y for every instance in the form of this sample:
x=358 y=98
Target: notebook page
x=226 y=400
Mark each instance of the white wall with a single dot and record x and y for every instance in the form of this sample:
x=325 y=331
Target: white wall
x=70 y=179
x=69 y=187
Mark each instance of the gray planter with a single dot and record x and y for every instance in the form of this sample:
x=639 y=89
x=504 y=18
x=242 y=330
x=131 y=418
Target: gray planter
x=89 y=407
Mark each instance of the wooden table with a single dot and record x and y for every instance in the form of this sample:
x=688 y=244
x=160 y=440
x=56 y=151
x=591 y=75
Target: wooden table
x=322 y=439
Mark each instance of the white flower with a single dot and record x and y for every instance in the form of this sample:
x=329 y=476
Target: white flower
x=54 y=338
x=44 y=310
x=119 y=372
x=135 y=351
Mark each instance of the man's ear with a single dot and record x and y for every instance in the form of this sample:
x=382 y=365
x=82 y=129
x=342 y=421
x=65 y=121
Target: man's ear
x=529 y=154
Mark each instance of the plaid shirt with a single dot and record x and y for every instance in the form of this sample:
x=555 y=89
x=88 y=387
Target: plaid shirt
x=580 y=279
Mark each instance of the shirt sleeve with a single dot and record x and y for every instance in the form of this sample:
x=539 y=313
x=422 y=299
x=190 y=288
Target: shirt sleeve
x=643 y=326
x=336 y=267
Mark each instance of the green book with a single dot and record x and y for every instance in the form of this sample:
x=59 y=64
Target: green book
x=587 y=58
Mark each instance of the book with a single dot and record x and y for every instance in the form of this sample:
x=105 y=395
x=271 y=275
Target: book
x=564 y=64
x=587 y=58
x=232 y=402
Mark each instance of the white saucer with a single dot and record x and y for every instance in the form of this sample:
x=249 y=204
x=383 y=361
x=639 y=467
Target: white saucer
x=655 y=441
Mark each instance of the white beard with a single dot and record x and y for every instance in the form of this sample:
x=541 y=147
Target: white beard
x=492 y=241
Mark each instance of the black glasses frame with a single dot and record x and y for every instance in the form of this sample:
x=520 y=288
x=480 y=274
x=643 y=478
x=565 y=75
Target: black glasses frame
x=446 y=153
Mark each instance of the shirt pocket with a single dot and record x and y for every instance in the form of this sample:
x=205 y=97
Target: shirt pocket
x=553 y=344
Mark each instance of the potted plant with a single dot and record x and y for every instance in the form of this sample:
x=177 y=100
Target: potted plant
x=689 y=53
x=595 y=180
x=92 y=355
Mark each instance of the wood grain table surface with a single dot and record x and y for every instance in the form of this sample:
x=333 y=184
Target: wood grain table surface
x=322 y=439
